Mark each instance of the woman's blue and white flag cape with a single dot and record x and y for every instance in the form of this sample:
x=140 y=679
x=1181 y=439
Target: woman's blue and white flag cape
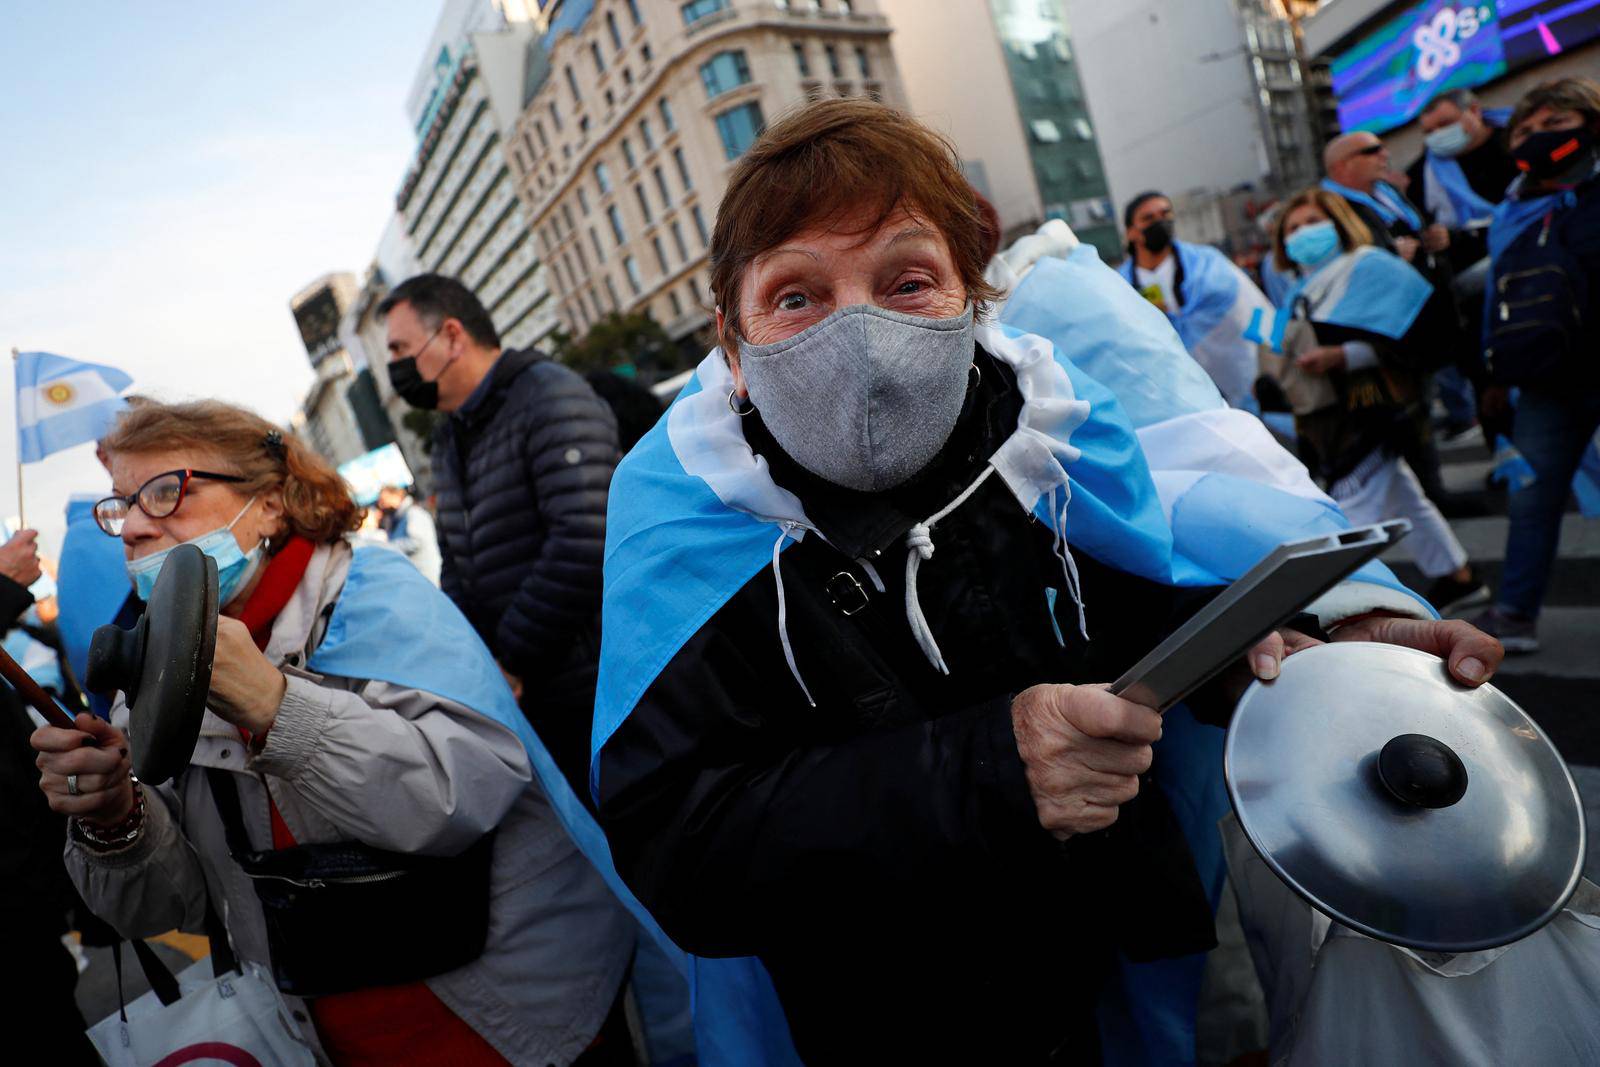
x=695 y=513
x=1218 y=300
x=1367 y=289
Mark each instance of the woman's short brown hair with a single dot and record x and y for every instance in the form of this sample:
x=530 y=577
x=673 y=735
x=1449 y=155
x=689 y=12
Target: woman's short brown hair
x=317 y=503
x=1353 y=233
x=1560 y=94
x=824 y=161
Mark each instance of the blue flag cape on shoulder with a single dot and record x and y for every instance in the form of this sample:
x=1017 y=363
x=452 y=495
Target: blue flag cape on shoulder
x=1367 y=289
x=1229 y=491
x=387 y=605
x=1390 y=203
x=1446 y=191
x=1218 y=299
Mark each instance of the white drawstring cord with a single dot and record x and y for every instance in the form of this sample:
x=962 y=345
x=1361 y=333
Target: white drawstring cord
x=1069 y=566
x=785 y=533
x=919 y=542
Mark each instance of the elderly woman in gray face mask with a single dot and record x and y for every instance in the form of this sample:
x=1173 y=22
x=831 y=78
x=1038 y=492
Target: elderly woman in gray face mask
x=856 y=610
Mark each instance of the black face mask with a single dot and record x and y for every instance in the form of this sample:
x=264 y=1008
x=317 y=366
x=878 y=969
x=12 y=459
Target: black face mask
x=410 y=385
x=1158 y=236
x=1551 y=153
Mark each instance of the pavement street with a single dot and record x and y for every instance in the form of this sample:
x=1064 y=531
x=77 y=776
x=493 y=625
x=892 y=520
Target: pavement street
x=1560 y=684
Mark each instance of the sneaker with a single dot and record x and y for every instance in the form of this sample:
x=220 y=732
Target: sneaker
x=1450 y=594
x=1517 y=634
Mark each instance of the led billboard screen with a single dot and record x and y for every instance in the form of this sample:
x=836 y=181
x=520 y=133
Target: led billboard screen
x=1385 y=78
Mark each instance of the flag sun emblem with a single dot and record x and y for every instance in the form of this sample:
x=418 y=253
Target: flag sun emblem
x=59 y=393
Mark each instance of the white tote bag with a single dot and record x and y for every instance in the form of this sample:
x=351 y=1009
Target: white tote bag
x=236 y=1019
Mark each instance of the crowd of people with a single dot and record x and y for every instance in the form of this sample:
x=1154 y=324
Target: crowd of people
x=800 y=702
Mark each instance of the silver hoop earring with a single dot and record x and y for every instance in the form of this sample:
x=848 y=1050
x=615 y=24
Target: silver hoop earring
x=733 y=404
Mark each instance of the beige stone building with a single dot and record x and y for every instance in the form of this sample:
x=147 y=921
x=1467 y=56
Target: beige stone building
x=634 y=112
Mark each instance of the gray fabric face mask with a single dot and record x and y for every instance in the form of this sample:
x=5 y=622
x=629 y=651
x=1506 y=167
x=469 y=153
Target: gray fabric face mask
x=866 y=397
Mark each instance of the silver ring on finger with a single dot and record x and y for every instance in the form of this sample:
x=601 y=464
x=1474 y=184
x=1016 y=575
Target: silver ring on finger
x=72 y=785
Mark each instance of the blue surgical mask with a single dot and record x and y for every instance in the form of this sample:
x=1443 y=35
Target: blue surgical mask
x=1310 y=245
x=1447 y=142
x=234 y=565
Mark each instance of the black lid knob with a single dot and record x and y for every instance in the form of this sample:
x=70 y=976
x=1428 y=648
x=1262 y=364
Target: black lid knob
x=1422 y=771
x=116 y=660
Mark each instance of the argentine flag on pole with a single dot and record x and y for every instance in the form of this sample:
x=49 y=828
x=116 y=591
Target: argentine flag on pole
x=62 y=402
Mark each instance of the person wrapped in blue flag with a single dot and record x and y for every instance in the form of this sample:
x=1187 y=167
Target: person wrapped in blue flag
x=863 y=582
x=1344 y=346
x=1207 y=298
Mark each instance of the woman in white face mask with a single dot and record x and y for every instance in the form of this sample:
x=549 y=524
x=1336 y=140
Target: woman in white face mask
x=1343 y=348
x=360 y=760
x=848 y=718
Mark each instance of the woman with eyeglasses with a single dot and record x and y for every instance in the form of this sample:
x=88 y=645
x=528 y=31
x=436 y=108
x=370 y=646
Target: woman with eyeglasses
x=354 y=719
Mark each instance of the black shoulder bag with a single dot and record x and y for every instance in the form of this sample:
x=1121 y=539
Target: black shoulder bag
x=1535 y=312
x=347 y=916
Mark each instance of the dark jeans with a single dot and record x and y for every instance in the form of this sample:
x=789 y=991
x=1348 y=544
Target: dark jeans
x=1553 y=427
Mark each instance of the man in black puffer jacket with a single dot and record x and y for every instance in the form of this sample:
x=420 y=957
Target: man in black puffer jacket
x=521 y=468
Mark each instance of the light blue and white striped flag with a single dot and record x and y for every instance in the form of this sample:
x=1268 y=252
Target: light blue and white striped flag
x=63 y=402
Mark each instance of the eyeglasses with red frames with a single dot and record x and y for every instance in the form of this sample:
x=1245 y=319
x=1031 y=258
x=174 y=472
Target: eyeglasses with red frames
x=158 y=498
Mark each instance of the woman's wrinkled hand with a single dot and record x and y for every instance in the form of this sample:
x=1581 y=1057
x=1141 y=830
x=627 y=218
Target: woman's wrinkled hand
x=246 y=688
x=1083 y=750
x=97 y=753
x=1473 y=655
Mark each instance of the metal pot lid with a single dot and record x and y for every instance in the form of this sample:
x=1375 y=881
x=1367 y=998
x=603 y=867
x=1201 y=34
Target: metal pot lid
x=1403 y=804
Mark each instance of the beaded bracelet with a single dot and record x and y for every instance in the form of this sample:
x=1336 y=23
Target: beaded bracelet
x=120 y=835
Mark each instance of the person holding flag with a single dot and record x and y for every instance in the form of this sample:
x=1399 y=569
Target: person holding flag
x=63 y=403
x=1207 y=298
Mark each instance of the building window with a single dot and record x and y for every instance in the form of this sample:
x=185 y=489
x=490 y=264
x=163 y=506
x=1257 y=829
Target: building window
x=572 y=83
x=1045 y=131
x=739 y=127
x=566 y=213
x=538 y=131
x=611 y=99
x=616 y=34
x=583 y=200
x=611 y=291
x=644 y=204
x=567 y=260
x=666 y=114
x=599 y=63
x=632 y=269
x=661 y=253
x=583 y=125
x=695 y=10
x=683 y=169
x=646 y=136
x=633 y=11
x=1081 y=129
x=700 y=226
x=602 y=178
x=555 y=116
x=677 y=304
x=627 y=153
x=627 y=76
x=615 y=217
x=845 y=9
x=694 y=288
x=724 y=71
x=645 y=54
x=677 y=241
x=599 y=251
x=833 y=61
x=661 y=184
x=583 y=260
x=802 y=64
x=862 y=63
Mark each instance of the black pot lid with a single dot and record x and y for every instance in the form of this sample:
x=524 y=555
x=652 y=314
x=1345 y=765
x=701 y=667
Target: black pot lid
x=1403 y=804
x=168 y=701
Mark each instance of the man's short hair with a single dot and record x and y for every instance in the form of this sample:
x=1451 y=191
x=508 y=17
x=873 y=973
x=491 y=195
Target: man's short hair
x=435 y=298
x=1137 y=202
x=1463 y=99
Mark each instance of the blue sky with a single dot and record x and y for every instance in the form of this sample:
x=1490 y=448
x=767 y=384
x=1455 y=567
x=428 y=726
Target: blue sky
x=172 y=173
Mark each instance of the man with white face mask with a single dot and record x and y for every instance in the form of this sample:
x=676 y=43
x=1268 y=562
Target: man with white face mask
x=1462 y=173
